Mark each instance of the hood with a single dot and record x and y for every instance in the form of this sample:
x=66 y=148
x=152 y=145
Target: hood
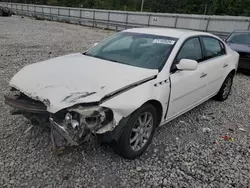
x=72 y=79
x=239 y=47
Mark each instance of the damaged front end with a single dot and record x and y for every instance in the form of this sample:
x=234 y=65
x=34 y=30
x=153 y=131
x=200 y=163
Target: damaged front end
x=76 y=125
x=69 y=127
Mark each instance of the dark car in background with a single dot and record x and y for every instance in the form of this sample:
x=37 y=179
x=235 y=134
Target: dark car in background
x=239 y=41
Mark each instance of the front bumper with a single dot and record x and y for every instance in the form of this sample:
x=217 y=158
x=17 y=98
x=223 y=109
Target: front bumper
x=63 y=135
x=60 y=136
x=23 y=103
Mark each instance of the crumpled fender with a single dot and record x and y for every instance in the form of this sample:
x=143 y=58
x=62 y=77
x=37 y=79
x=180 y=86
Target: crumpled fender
x=127 y=102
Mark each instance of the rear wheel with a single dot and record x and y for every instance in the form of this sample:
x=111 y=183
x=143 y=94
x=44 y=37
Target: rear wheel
x=225 y=88
x=138 y=132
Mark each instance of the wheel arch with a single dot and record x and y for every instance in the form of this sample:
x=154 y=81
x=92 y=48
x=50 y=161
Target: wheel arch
x=232 y=72
x=158 y=107
x=115 y=134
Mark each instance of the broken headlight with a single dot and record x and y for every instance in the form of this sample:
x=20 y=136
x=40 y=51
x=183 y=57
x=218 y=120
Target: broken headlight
x=78 y=122
x=90 y=118
x=76 y=125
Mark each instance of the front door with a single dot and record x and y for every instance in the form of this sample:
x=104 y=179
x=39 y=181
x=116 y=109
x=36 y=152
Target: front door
x=187 y=87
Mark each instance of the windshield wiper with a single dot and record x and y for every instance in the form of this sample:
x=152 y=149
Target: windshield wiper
x=117 y=61
x=113 y=60
x=107 y=59
x=85 y=53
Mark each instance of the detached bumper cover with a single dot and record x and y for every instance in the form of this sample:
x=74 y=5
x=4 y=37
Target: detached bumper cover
x=63 y=132
x=60 y=137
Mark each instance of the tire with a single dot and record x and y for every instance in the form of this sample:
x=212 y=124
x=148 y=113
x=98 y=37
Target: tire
x=225 y=88
x=125 y=147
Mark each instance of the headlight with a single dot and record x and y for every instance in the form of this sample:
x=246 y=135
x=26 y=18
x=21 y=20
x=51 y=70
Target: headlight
x=94 y=117
x=78 y=122
x=98 y=118
x=68 y=117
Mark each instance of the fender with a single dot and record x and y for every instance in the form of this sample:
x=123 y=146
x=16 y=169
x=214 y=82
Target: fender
x=127 y=102
x=126 y=88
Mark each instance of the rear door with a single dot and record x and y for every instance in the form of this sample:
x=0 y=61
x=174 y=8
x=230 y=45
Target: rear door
x=216 y=61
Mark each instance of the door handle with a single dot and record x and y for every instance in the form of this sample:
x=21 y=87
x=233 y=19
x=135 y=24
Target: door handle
x=203 y=75
x=225 y=65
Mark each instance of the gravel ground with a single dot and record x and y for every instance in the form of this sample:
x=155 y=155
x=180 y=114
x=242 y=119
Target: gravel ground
x=187 y=152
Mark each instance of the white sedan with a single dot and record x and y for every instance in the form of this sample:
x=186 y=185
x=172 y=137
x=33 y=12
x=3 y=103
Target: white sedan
x=123 y=88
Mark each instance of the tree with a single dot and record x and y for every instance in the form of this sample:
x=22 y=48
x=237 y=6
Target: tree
x=219 y=7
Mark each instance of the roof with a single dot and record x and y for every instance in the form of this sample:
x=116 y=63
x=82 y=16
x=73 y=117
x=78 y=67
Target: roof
x=175 y=33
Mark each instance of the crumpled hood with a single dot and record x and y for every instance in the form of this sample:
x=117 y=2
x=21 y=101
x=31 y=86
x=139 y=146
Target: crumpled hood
x=72 y=79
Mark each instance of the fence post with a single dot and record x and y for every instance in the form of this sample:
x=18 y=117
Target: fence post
x=94 y=23
x=108 y=19
x=58 y=13
x=208 y=21
x=16 y=9
x=22 y=9
x=27 y=9
x=43 y=12
x=79 y=21
x=35 y=10
x=176 y=20
x=30 y=11
x=80 y=13
x=50 y=13
x=149 y=17
x=249 y=25
x=126 y=26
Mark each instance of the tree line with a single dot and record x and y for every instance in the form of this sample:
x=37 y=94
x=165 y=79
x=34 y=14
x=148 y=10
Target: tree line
x=209 y=7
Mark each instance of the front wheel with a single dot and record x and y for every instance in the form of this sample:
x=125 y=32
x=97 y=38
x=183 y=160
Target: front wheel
x=138 y=132
x=225 y=88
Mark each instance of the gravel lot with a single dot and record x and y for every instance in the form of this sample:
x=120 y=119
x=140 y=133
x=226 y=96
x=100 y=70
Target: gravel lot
x=187 y=152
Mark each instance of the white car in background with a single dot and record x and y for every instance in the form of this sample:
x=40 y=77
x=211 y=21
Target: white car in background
x=123 y=88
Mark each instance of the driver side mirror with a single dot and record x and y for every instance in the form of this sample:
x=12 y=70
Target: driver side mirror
x=187 y=65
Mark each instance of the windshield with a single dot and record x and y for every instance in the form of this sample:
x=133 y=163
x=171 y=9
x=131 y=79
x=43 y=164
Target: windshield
x=135 y=49
x=239 y=38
